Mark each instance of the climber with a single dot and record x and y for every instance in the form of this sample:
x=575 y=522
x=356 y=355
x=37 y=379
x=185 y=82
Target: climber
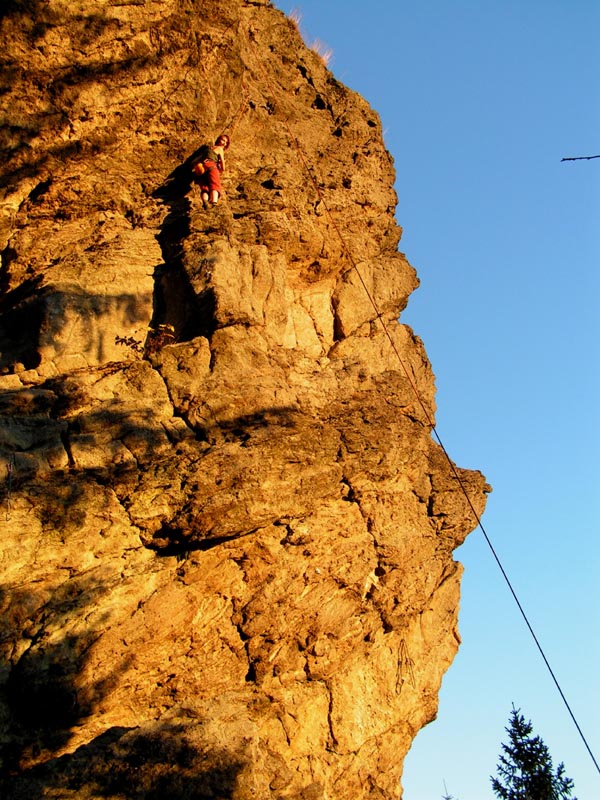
x=208 y=168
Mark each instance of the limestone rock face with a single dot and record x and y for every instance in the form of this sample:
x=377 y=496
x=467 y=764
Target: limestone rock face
x=226 y=533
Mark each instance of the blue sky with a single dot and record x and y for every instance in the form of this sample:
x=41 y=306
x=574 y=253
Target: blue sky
x=480 y=100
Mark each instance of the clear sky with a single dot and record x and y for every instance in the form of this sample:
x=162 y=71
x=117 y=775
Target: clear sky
x=480 y=100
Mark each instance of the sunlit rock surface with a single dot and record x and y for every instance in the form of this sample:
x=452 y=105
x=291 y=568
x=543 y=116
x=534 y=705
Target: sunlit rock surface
x=226 y=534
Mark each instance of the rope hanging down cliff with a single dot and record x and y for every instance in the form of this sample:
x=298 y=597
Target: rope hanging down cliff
x=415 y=390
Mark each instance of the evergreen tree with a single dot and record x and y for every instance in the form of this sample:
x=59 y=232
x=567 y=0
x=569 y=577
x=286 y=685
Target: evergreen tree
x=525 y=770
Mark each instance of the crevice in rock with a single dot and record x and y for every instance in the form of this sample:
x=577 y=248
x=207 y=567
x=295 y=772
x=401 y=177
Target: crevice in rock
x=66 y=440
x=7 y=256
x=170 y=540
x=21 y=319
x=333 y=742
x=251 y=674
x=348 y=493
x=39 y=190
x=175 y=302
x=304 y=72
x=177 y=306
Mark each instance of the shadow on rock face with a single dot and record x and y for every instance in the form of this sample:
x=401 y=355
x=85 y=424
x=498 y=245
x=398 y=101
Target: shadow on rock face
x=43 y=696
x=160 y=762
x=34 y=315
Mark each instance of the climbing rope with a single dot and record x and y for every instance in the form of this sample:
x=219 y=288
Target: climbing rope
x=415 y=390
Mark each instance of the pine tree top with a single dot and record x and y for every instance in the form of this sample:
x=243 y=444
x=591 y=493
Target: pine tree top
x=525 y=769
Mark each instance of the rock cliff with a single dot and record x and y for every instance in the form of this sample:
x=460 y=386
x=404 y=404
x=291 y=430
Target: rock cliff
x=226 y=533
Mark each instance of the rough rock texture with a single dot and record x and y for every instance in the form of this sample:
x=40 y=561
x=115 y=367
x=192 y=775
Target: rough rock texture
x=226 y=533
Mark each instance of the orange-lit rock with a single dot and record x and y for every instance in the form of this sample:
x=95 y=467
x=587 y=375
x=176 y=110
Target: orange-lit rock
x=226 y=535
